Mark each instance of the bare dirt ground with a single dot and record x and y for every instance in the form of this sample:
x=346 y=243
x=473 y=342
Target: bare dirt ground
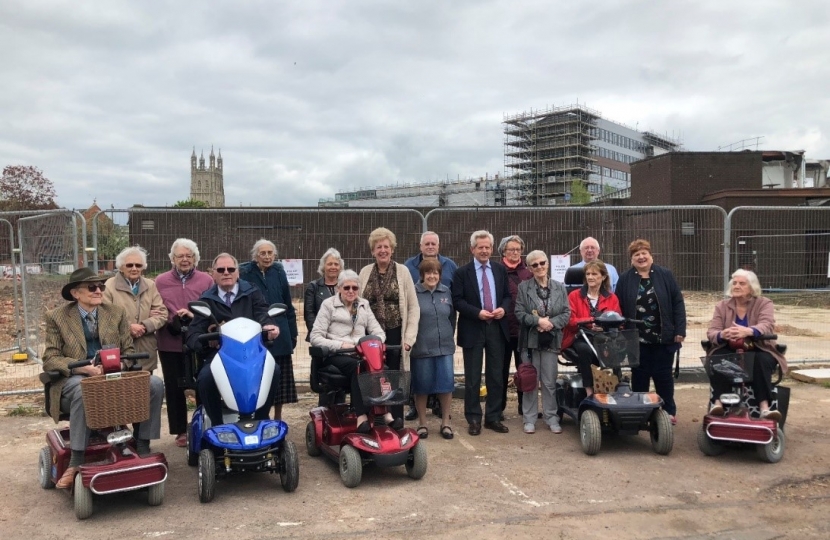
x=491 y=486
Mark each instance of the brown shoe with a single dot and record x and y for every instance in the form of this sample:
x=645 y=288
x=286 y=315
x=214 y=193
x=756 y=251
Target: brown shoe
x=67 y=479
x=771 y=415
x=496 y=426
x=474 y=429
x=181 y=440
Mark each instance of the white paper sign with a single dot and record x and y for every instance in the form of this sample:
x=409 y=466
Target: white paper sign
x=828 y=265
x=294 y=270
x=559 y=264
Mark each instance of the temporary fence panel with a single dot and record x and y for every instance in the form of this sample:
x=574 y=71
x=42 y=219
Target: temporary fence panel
x=9 y=277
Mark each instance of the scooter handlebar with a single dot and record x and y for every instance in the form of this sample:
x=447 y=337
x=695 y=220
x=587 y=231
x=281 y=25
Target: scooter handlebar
x=79 y=363
x=209 y=336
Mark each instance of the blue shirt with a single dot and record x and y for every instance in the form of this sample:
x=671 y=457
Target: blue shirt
x=612 y=273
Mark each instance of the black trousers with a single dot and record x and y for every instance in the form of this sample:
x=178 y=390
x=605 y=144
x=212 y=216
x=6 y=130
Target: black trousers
x=762 y=372
x=656 y=363
x=172 y=368
x=347 y=365
x=584 y=362
x=491 y=355
x=393 y=361
x=511 y=349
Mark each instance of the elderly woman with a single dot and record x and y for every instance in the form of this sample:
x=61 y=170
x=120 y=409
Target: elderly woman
x=432 y=354
x=388 y=287
x=344 y=319
x=140 y=299
x=589 y=302
x=542 y=310
x=649 y=293
x=178 y=287
x=270 y=278
x=320 y=289
x=746 y=314
x=511 y=249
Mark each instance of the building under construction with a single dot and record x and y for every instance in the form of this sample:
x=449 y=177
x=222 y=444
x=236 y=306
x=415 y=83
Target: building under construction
x=548 y=151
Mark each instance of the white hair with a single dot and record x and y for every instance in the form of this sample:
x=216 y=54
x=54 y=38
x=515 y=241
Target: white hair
x=330 y=252
x=536 y=254
x=582 y=244
x=751 y=277
x=480 y=234
x=187 y=244
x=347 y=275
x=259 y=243
x=429 y=233
x=132 y=250
x=235 y=262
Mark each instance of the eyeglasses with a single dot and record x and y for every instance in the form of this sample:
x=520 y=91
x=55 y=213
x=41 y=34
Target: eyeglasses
x=512 y=250
x=225 y=270
x=183 y=256
x=349 y=287
x=92 y=287
x=134 y=265
x=266 y=253
x=538 y=264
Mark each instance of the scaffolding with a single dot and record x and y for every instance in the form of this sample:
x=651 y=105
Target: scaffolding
x=547 y=150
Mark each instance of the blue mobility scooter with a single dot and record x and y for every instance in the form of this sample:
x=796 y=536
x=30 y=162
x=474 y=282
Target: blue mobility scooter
x=243 y=369
x=613 y=407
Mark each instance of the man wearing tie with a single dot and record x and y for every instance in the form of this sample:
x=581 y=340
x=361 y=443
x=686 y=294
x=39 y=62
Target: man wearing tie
x=480 y=294
x=228 y=299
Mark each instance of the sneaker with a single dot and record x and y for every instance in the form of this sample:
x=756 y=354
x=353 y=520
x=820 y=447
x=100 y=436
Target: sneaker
x=556 y=428
x=530 y=428
x=716 y=410
x=771 y=415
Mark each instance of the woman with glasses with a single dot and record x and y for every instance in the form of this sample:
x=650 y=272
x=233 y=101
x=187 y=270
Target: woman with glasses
x=511 y=249
x=590 y=301
x=140 y=299
x=542 y=310
x=343 y=319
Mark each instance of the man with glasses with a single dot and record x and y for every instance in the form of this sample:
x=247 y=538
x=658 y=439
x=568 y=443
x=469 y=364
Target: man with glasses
x=589 y=250
x=228 y=299
x=178 y=287
x=75 y=332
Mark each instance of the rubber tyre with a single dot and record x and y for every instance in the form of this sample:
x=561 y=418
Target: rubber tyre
x=662 y=434
x=311 y=440
x=83 y=499
x=416 y=463
x=773 y=451
x=155 y=494
x=207 y=475
x=44 y=468
x=590 y=432
x=707 y=445
x=192 y=457
x=351 y=466
x=289 y=467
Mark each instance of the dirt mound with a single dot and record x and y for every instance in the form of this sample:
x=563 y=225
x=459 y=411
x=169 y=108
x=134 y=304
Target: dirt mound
x=789 y=330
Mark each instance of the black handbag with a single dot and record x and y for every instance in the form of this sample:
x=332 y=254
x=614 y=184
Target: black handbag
x=545 y=340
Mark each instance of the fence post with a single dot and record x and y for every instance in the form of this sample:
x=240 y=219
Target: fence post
x=14 y=284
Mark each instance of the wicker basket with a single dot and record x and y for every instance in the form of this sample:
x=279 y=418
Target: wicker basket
x=116 y=401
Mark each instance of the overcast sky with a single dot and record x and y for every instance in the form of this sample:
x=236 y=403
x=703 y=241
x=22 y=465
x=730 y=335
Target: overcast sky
x=306 y=98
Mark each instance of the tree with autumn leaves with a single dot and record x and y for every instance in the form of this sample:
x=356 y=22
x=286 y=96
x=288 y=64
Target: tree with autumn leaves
x=24 y=187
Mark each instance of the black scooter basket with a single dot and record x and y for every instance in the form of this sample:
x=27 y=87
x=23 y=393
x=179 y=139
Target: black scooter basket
x=734 y=368
x=384 y=388
x=618 y=349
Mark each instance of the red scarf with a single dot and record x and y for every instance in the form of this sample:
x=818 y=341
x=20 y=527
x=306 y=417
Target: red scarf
x=510 y=266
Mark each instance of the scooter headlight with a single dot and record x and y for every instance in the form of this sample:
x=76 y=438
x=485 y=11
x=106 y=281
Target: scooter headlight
x=227 y=437
x=119 y=437
x=651 y=398
x=270 y=432
x=608 y=399
x=370 y=442
x=405 y=439
x=730 y=399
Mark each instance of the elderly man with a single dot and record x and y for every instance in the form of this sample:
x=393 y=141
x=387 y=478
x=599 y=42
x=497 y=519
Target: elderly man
x=181 y=285
x=75 y=332
x=429 y=250
x=228 y=299
x=481 y=296
x=589 y=250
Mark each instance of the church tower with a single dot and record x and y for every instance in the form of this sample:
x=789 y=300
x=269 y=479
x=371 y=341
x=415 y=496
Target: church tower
x=207 y=183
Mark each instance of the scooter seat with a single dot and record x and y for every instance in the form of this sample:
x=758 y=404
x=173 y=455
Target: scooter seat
x=330 y=378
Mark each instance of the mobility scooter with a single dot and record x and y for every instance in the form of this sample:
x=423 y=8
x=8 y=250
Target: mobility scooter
x=741 y=423
x=243 y=369
x=613 y=407
x=333 y=429
x=111 y=401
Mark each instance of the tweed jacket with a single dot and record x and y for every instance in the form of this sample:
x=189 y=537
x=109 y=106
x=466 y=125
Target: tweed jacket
x=65 y=342
x=408 y=302
x=559 y=312
x=333 y=325
x=138 y=310
x=761 y=316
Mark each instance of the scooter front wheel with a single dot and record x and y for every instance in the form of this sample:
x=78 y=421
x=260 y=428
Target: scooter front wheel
x=351 y=466
x=289 y=467
x=83 y=499
x=416 y=464
x=590 y=432
x=662 y=434
x=311 y=440
x=773 y=451
x=207 y=475
x=708 y=445
x=44 y=468
x=155 y=494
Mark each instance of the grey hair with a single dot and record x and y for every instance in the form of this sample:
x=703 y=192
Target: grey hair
x=132 y=250
x=536 y=254
x=223 y=254
x=480 y=234
x=582 y=244
x=187 y=244
x=330 y=252
x=347 y=275
x=751 y=277
x=259 y=243
x=513 y=238
x=429 y=233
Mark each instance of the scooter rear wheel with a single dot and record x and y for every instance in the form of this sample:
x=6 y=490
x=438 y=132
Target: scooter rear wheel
x=83 y=499
x=207 y=475
x=311 y=440
x=662 y=434
x=590 y=432
x=773 y=451
x=289 y=467
x=44 y=468
x=351 y=466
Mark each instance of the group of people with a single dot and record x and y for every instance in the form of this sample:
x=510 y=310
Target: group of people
x=493 y=310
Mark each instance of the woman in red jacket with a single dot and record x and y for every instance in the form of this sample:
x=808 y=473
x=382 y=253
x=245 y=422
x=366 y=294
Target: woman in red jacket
x=593 y=299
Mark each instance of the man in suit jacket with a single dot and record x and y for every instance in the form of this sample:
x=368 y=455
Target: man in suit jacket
x=75 y=332
x=481 y=296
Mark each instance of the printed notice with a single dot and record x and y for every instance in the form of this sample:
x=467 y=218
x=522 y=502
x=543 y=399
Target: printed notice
x=294 y=271
x=559 y=264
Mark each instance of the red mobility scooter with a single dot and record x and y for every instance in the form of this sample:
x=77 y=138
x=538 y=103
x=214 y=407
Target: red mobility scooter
x=741 y=423
x=333 y=428
x=111 y=401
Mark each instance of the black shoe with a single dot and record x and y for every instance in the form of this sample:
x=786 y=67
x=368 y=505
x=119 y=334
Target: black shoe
x=411 y=415
x=396 y=424
x=474 y=429
x=364 y=427
x=496 y=426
